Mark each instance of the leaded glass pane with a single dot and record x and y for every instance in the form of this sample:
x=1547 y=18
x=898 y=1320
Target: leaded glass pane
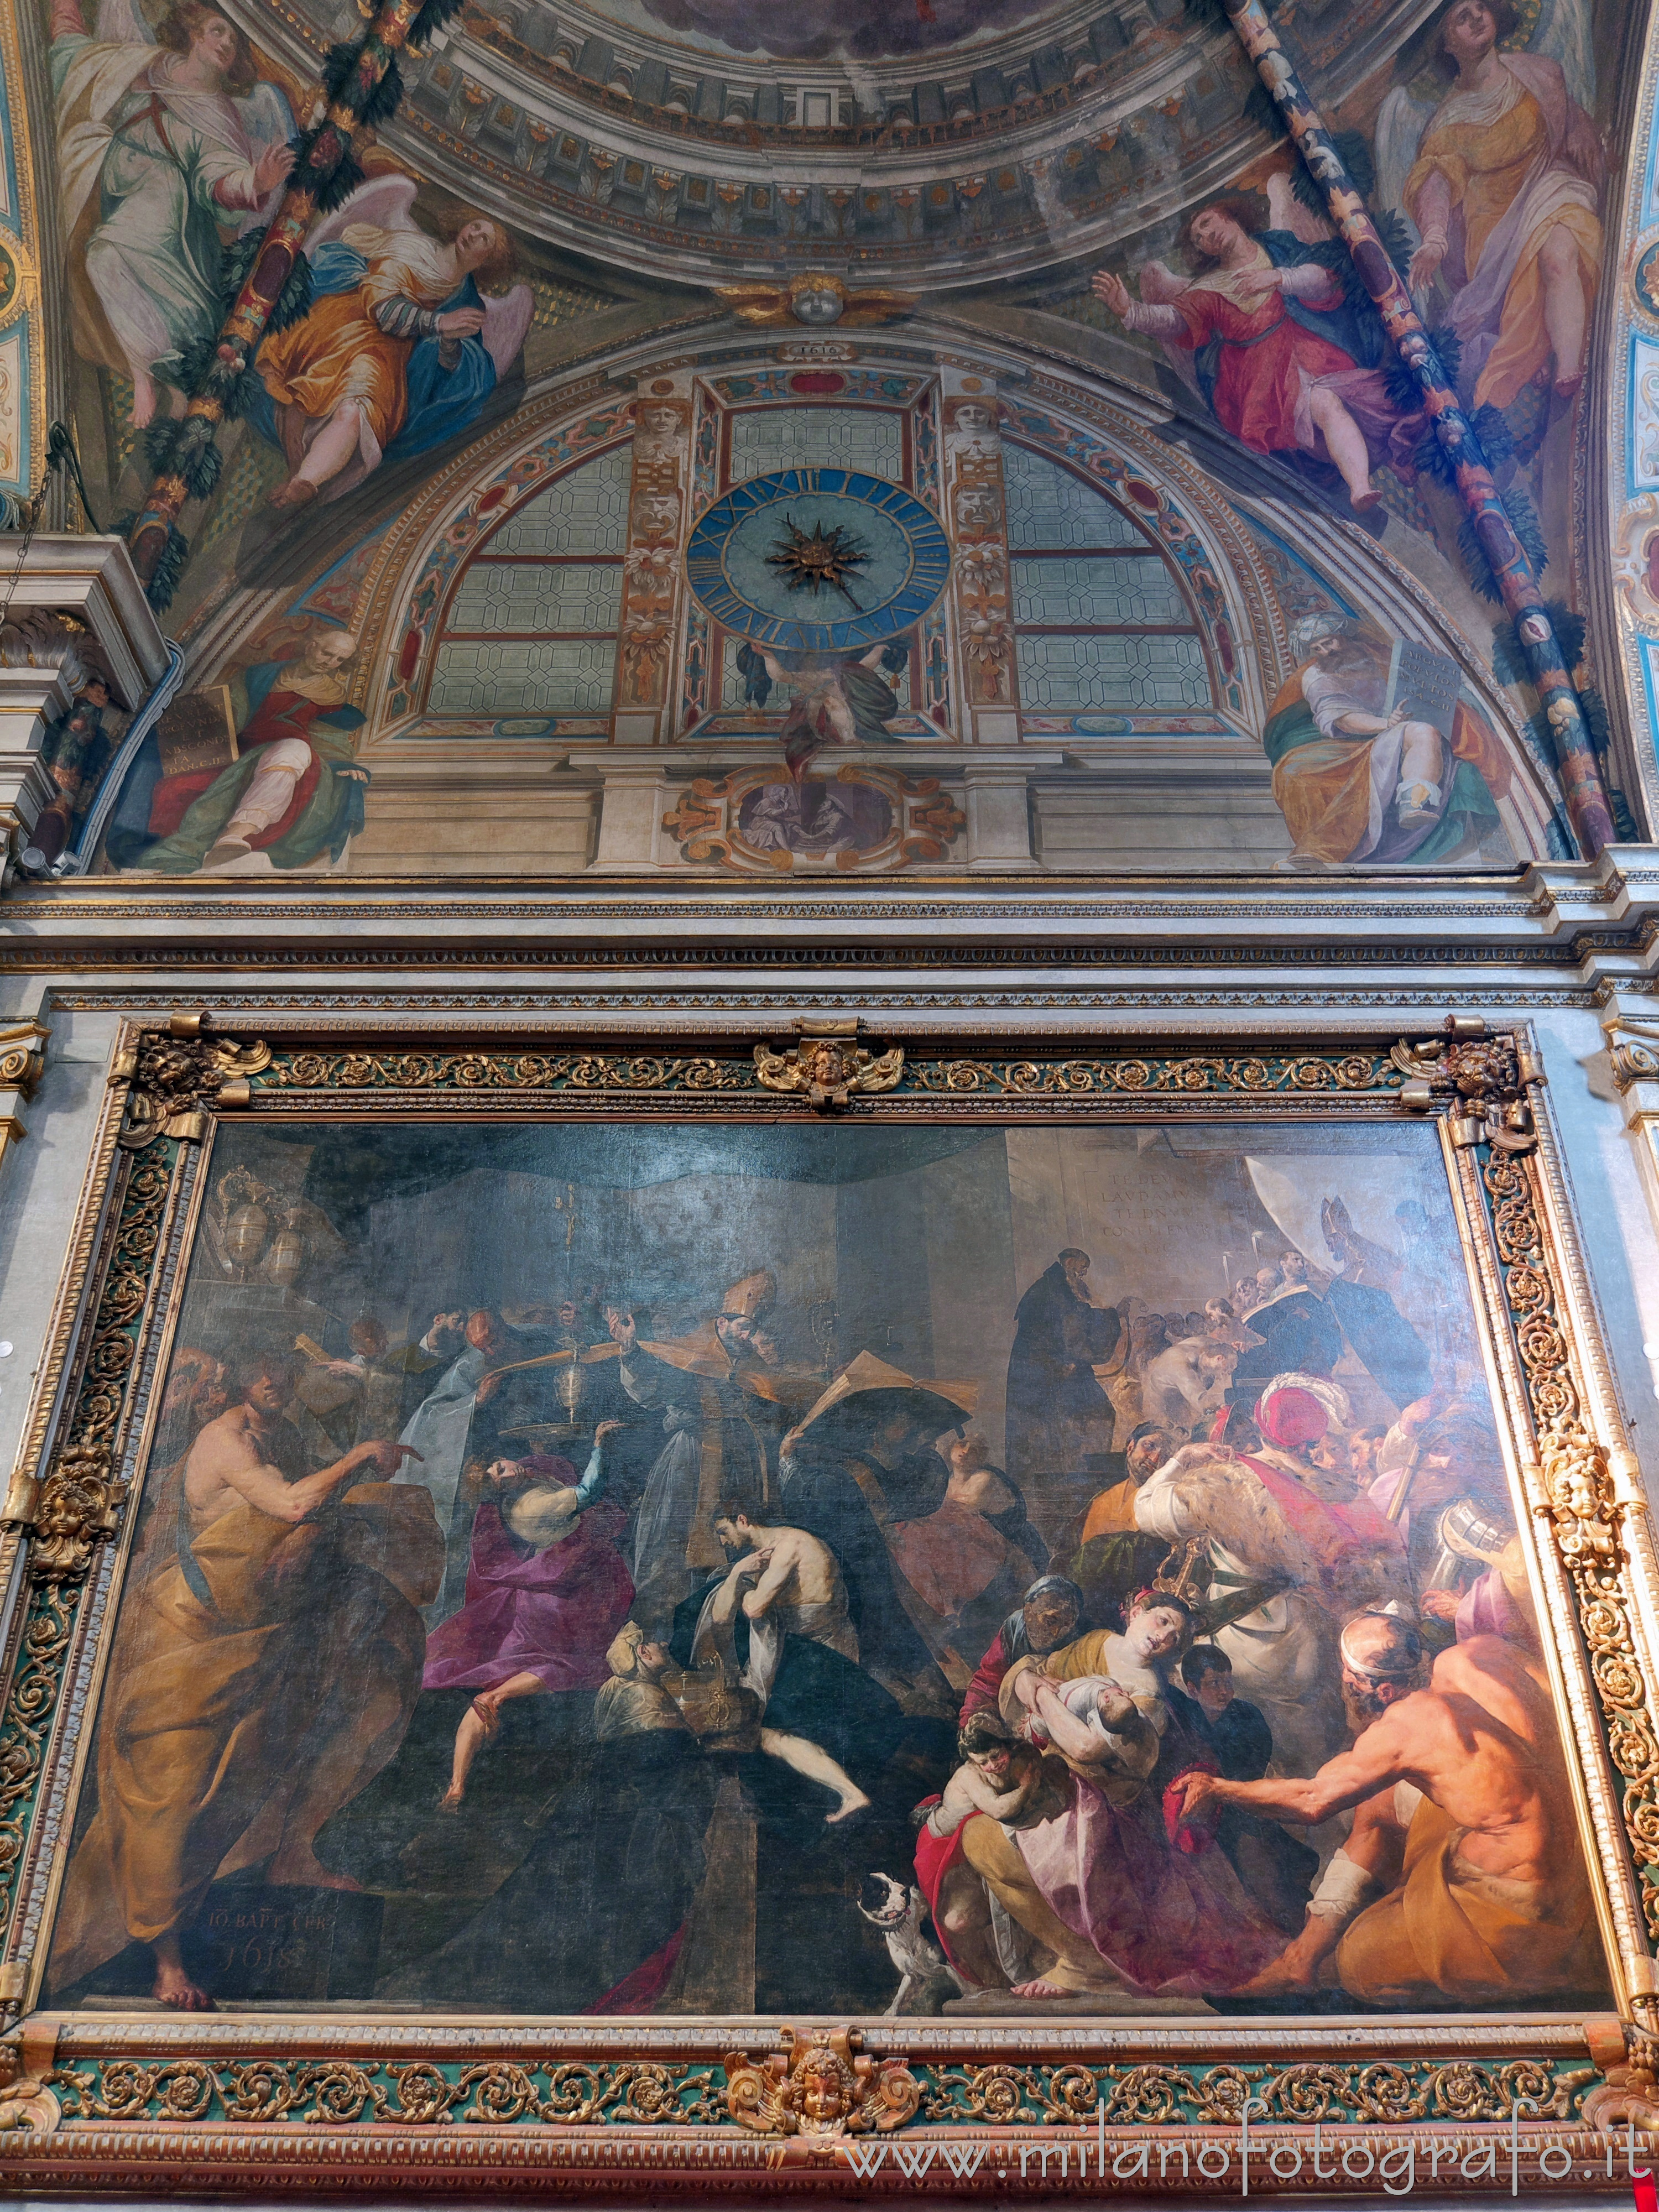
x=511 y=595
x=523 y=675
x=1123 y=587
x=1047 y=506
x=768 y=438
x=1058 y=673
x=585 y=512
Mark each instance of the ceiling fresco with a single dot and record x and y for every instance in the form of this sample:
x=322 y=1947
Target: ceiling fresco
x=711 y=436
x=633 y=133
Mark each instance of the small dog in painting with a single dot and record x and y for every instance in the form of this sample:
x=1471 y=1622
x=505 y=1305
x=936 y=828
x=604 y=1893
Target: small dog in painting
x=927 y=1978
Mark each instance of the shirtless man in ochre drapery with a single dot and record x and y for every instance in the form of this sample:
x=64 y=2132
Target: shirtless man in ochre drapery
x=269 y=1659
x=1463 y=1881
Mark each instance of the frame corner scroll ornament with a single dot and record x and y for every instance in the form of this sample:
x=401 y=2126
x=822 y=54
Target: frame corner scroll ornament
x=820 y=2089
x=26 y=2101
x=1628 y=2094
x=1490 y=1077
x=176 y=1074
x=828 y=1065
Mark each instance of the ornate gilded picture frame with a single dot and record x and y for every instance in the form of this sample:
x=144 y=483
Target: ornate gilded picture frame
x=681 y=1614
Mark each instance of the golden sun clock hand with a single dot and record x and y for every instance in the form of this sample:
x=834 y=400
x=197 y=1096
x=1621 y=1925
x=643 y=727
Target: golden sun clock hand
x=818 y=560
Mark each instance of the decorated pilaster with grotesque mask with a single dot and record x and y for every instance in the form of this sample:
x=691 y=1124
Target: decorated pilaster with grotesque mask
x=651 y=566
x=977 y=507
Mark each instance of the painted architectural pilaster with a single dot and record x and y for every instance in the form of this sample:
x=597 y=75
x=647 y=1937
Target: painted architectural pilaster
x=977 y=519
x=1625 y=593
x=697 y=683
x=997 y=800
x=631 y=806
x=652 y=569
x=937 y=689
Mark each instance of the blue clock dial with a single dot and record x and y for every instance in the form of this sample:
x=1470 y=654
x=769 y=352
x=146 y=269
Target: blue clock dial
x=818 y=560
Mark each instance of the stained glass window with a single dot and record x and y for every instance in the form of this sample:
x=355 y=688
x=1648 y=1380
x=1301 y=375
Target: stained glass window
x=531 y=627
x=1100 y=617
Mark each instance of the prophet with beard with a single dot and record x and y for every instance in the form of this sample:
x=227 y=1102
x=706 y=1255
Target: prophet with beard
x=268 y=1662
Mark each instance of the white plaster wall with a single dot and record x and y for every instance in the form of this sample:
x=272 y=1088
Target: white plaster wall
x=40 y=1180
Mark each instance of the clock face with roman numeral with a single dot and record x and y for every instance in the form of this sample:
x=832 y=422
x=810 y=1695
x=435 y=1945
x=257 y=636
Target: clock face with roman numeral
x=818 y=560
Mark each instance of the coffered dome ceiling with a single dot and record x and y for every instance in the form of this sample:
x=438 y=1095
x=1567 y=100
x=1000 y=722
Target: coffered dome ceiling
x=934 y=143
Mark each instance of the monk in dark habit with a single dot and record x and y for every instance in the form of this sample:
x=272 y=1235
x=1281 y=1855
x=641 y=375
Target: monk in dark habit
x=1060 y=1419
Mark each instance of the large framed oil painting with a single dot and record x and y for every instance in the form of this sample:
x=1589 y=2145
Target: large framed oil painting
x=1099 y=1579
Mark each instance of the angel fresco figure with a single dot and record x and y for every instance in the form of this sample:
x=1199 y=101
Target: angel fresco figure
x=165 y=144
x=407 y=337
x=1264 y=331
x=1502 y=181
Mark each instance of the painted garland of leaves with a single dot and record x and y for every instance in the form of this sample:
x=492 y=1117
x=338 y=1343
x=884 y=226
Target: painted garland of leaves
x=268 y=280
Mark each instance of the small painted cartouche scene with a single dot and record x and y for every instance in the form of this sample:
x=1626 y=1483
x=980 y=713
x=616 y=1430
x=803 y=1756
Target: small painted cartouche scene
x=734 y=1569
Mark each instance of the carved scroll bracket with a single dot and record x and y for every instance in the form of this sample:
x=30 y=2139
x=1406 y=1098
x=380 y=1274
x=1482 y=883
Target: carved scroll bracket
x=1628 y=2094
x=1487 y=1078
x=1632 y=1050
x=828 y=1065
x=815 y=2092
x=25 y=2061
x=176 y=1074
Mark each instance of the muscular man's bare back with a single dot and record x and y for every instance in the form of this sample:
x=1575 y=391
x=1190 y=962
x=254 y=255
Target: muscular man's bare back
x=799 y=1570
x=1480 y=1743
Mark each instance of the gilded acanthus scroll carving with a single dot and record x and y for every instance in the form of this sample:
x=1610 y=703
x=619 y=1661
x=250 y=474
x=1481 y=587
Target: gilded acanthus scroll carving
x=1488 y=1077
x=1589 y=1487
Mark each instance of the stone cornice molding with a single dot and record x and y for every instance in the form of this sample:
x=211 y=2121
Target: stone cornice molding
x=1572 y=932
